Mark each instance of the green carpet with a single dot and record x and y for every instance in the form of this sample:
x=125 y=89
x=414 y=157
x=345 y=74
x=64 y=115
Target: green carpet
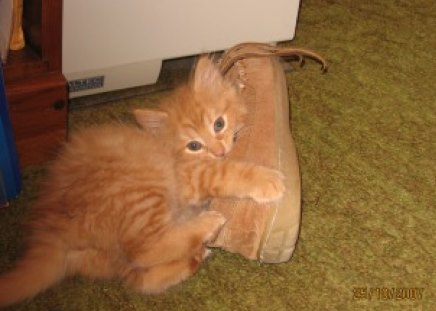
x=366 y=138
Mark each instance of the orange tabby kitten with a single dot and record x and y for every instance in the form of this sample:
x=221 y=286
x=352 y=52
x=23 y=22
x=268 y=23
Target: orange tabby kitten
x=128 y=202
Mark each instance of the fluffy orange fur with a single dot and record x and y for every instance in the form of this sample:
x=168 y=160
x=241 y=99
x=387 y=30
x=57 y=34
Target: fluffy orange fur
x=130 y=202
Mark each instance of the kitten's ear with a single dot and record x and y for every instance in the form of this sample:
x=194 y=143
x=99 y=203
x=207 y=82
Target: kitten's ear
x=150 y=118
x=206 y=74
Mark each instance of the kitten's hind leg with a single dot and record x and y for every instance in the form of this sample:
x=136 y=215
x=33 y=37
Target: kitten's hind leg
x=179 y=241
x=157 y=279
x=91 y=263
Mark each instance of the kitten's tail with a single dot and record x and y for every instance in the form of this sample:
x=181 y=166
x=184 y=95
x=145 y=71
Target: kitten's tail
x=42 y=266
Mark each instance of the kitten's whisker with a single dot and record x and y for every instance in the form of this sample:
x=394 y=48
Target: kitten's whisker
x=240 y=132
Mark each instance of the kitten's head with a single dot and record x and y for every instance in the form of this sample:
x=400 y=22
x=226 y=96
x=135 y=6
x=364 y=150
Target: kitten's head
x=203 y=117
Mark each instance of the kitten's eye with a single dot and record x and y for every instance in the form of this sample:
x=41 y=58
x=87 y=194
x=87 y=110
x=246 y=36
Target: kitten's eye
x=194 y=145
x=219 y=124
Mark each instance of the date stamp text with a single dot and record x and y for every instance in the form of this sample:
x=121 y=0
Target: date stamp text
x=388 y=293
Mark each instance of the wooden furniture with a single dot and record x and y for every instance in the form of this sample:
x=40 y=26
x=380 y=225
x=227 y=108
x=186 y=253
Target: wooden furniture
x=35 y=87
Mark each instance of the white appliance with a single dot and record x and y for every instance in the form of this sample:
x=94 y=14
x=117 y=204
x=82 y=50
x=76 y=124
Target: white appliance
x=110 y=45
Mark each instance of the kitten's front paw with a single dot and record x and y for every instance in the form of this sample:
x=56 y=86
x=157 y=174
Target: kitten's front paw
x=268 y=185
x=212 y=222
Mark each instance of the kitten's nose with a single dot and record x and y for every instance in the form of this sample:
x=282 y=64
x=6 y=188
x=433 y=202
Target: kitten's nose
x=219 y=151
